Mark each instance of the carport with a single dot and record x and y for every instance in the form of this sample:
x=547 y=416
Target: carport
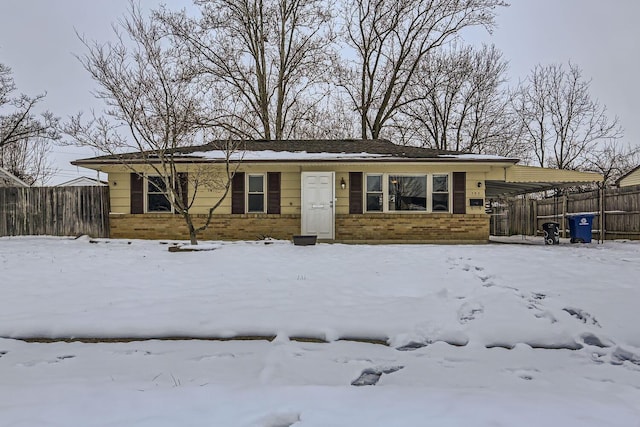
x=520 y=180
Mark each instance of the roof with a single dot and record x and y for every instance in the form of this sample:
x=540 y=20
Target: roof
x=302 y=150
x=11 y=179
x=517 y=179
x=83 y=181
x=520 y=179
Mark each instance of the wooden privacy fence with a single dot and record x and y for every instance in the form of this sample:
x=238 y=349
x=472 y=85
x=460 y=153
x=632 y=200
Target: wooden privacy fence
x=54 y=211
x=616 y=210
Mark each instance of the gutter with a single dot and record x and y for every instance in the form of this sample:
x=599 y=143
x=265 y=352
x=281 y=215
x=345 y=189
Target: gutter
x=85 y=162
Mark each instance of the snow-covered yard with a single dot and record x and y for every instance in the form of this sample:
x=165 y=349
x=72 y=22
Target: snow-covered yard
x=499 y=334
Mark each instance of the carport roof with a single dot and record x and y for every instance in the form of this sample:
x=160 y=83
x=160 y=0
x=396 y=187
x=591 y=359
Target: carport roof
x=529 y=179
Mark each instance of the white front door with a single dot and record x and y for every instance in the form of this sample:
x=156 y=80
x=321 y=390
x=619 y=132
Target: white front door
x=318 y=204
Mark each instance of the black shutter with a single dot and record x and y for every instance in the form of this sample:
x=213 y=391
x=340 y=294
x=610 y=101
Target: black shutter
x=459 y=192
x=183 y=182
x=237 y=193
x=137 y=194
x=273 y=192
x=355 y=192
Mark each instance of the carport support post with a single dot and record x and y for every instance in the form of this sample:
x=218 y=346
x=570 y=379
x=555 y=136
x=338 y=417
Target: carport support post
x=564 y=214
x=534 y=217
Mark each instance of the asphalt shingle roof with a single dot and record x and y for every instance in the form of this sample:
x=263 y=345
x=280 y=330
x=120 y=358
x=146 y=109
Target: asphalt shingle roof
x=376 y=147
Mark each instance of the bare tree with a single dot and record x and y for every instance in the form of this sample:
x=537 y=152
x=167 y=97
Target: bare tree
x=28 y=159
x=561 y=122
x=460 y=102
x=269 y=56
x=612 y=159
x=391 y=40
x=153 y=109
x=330 y=119
x=24 y=135
x=438 y=93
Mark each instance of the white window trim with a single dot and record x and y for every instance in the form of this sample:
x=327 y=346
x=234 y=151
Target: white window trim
x=264 y=193
x=146 y=196
x=385 y=192
x=431 y=193
x=384 y=183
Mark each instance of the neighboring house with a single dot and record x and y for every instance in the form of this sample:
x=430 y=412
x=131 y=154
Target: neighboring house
x=7 y=179
x=630 y=178
x=84 y=181
x=339 y=190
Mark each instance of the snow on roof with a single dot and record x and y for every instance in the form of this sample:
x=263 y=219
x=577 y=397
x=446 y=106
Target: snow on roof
x=302 y=151
x=282 y=155
x=474 y=156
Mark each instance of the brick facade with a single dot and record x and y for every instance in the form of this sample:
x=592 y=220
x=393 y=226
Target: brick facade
x=222 y=227
x=367 y=228
x=413 y=228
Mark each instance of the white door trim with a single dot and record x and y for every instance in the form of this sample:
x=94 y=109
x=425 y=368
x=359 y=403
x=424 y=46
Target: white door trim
x=317 y=204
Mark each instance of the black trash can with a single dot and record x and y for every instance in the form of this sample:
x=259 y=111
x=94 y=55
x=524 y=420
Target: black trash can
x=551 y=233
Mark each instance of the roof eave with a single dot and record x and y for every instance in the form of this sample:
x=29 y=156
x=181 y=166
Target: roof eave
x=186 y=160
x=11 y=177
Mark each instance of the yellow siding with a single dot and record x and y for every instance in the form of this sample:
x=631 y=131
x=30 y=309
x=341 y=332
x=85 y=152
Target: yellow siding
x=119 y=182
x=632 y=179
x=519 y=173
x=120 y=191
x=496 y=173
x=290 y=193
x=475 y=190
x=342 y=196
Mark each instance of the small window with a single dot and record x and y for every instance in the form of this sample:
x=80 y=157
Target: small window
x=255 y=195
x=440 y=193
x=407 y=193
x=157 y=195
x=374 y=193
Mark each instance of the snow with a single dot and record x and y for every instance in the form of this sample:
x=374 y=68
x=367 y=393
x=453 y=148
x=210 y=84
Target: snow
x=483 y=335
x=574 y=214
x=475 y=156
x=248 y=155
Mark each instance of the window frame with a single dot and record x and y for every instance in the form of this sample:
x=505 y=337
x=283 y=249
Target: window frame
x=408 y=175
x=448 y=192
x=167 y=193
x=249 y=192
x=429 y=190
x=367 y=192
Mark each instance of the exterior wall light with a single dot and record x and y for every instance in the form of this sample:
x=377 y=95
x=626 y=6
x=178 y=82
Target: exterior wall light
x=343 y=184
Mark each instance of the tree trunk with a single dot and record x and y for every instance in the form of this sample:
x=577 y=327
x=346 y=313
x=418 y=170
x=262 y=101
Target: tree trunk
x=192 y=230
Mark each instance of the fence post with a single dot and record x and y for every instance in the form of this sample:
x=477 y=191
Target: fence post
x=603 y=195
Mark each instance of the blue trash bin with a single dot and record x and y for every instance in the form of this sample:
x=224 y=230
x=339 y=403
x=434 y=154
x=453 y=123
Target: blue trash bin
x=580 y=227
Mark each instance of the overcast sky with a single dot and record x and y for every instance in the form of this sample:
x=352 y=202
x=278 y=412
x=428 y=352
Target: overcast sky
x=37 y=40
